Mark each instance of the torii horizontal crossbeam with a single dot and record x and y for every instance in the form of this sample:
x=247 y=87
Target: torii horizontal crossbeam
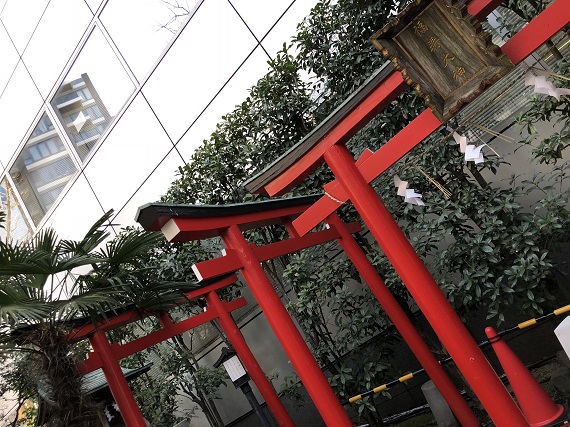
x=522 y=44
x=121 y=351
x=230 y=261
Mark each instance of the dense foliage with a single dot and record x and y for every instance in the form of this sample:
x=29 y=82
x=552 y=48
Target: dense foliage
x=46 y=285
x=487 y=247
x=484 y=245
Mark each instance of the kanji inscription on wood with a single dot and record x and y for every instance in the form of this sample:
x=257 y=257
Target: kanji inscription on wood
x=443 y=53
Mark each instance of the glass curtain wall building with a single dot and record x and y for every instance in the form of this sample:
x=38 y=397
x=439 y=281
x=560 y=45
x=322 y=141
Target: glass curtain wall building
x=102 y=100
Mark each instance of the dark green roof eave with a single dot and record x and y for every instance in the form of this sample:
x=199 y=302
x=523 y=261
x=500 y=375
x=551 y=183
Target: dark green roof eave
x=256 y=183
x=153 y=216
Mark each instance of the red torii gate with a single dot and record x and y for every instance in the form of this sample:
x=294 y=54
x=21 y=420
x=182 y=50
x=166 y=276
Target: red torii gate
x=106 y=355
x=188 y=222
x=326 y=144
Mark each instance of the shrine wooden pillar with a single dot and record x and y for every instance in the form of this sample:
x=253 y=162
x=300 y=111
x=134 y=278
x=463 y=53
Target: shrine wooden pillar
x=403 y=324
x=107 y=356
x=193 y=222
x=248 y=359
x=117 y=382
x=286 y=331
x=428 y=296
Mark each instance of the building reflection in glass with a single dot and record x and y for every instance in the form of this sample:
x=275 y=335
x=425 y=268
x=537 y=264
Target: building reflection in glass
x=42 y=169
x=16 y=227
x=82 y=113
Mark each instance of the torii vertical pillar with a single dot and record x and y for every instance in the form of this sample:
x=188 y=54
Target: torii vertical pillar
x=287 y=333
x=248 y=359
x=451 y=331
x=117 y=382
x=403 y=324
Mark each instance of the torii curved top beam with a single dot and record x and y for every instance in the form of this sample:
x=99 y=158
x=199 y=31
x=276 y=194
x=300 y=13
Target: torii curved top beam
x=352 y=106
x=385 y=85
x=194 y=222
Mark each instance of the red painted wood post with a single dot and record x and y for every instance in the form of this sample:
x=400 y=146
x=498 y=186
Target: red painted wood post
x=404 y=325
x=117 y=382
x=451 y=331
x=287 y=333
x=249 y=361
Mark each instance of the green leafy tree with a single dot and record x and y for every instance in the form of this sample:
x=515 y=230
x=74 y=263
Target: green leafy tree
x=46 y=283
x=484 y=245
x=177 y=375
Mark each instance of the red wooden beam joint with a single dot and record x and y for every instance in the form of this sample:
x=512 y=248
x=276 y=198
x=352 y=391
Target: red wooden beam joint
x=168 y=331
x=230 y=262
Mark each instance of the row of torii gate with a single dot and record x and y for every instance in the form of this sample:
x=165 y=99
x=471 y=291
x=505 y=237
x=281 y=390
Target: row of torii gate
x=300 y=216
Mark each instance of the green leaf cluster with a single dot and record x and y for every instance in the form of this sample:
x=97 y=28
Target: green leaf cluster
x=485 y=245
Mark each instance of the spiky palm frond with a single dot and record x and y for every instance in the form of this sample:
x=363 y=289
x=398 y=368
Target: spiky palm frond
x=159 y=294
x=92 y=239
x=34 y=276
x=89 y=304
x=21 y=301
x=39 y=259
x=25 y=312
x=119 y=275
x=127 y=248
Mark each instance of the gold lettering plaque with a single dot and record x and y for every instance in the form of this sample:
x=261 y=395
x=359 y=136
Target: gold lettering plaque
x=443 y=53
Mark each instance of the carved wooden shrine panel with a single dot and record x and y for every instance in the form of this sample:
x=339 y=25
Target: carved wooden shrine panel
x=443 y=53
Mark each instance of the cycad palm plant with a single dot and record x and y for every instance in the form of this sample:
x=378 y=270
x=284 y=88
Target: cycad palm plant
x=48 y=283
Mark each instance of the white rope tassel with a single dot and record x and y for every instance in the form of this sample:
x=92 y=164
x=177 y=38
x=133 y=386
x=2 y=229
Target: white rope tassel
x=409 y=194
x=541 y=85
x=472 y=152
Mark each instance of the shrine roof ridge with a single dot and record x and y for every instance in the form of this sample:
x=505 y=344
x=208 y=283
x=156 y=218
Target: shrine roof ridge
x=153 y=216
x=256 y=183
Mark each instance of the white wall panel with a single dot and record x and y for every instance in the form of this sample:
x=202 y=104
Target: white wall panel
x=56 y=37
x=21 y=18
x=127 y=157
x=93 y=4
x=9 y=58
x=77 y=211
x=209 y=50
x=260 y=16
x=151 y=190
x=18 y=107
x=233 y=94
x=140 y=37
x=286 y=28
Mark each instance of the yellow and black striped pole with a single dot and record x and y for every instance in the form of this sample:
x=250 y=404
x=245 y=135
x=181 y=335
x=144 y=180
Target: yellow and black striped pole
x=522 y=325
x=383 y=387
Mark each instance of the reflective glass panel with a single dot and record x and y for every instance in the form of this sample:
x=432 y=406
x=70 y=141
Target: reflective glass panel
x=42 y=169
x=16 y=227
x=20 y=18
x=233 y=94
x=77 y=211
x=9 y=58
x=209 y=50
x=140 y=38
x=19 y=104
x=93 y=92
x=53 y=42
x=127 y=157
